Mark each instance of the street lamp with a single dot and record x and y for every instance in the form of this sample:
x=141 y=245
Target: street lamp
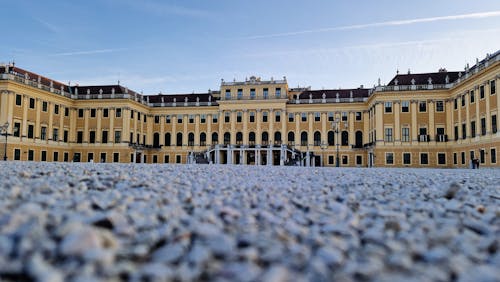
x=4 y=128
x=336 y=129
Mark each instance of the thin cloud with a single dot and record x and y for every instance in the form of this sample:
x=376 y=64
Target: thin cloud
x=165 y=9
x=89 y=52
x=51 y=27
x=381 y=24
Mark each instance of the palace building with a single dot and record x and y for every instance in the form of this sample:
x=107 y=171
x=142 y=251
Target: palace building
x=438 y=119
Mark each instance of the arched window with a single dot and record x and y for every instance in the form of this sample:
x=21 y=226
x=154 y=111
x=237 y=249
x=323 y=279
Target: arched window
x=251 y=138
x=317 y=138
x=191 y=139
x=203 y=139
x=179 y=139
x=227 y=138
x=345 y=138
x=359 y=139
x=215 y=138
x=331 y=138
x=277 y=138
x=168 y=139
x=239 y=138
x=303 y=139
x=156 y=140
x=291 y=138
x=265 y=138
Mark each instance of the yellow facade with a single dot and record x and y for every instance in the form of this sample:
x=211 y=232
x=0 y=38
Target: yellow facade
x=441 y=122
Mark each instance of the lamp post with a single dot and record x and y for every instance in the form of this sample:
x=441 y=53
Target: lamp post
x=336 y=129
x=4 y=128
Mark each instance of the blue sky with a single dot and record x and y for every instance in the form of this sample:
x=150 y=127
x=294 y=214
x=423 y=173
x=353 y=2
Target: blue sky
x=184 y=46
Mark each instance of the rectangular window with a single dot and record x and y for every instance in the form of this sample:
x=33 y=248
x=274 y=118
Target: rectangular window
x=118 y=136
x=330 y=116
x=179 y=118
x=19 y=100
x=43 y=157
x=31 y=129
x=455 y=158
x=228 y=94
x=203 y=118
x=441 y=158
x=252 y=117
x=92 y=137
x=439 y=106
x=389 y=158
x=388 y=135
x=139 y=116
x=132 y=114
x=464 y=131
x=215 y=118
x=66 y=156
x=424 y=158
x=422 y=106
x=92 y=113
x=240 y=93
x=116 y=157
x=455 y=104
x=155 y=159
x=405 y=106
x=17 y=129
x=32 y=103
x=304 y=117
x=166 y=159
x=65 y=136
x=493 y=87
x=17 y=154
x=43 y=133
x=481 y=92
x=66 y=112
x=191 y=118
x=266 y=93
x=405 y=134
x=31 y=155
x=359 y=160
x=118 y=112
x=265 y=116
x=388 y=107
x=90 y=157
x=56 y=109
x=472 y=129
x=278 y=92
x=494 y=124
x=406 y=158
x=291 y=117
x=345 y=160
x=80 y=113
x=55 y=134
x=330 y=159
x=456 y=132
x=103 y=158
x=463 y=99
x=344 y=116
x=252 y=93
x=167 y=119
x=55 y=157
x=239 y=117
x=178 y=159
x=317 y=116
x=227 y=117
x=105 y=113
x=359 y=116
x=104 y=136
x=483 y=126
x=472 y=98
x=462 y=157
x=157 y=119
x=277 y=116
x=493 y=155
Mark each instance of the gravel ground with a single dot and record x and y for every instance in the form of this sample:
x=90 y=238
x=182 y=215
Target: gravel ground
x=93 y=222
